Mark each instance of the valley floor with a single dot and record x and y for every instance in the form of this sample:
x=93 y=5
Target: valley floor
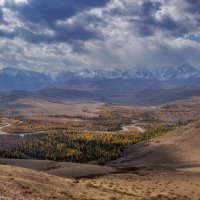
x=164 y=168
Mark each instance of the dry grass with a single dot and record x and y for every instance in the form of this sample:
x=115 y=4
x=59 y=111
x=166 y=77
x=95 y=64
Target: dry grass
x=177 y=149
x=18 y=183
x=34 y=107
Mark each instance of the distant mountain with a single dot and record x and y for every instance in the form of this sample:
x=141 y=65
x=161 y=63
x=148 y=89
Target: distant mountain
x=164 y=73
x=140 y=73
x=182 y=72
x=186 y=71
x=88 y=74
x=17 y=79
x=114 y=81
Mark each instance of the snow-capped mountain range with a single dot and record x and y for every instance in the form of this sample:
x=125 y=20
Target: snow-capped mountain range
x=18 y=79
x=184 y=71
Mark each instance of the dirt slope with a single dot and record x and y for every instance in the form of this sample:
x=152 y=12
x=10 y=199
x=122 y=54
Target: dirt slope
x=179 y=148
x=62 y=169
x=25 y=184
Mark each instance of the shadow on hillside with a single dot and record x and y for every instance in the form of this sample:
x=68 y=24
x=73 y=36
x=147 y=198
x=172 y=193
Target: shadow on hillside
x=145 y=154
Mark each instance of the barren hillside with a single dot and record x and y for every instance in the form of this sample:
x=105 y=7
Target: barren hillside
x=25 y=184
x=179 y=148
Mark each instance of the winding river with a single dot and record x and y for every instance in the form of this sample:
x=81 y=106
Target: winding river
x=124 y=128
x=5 y=125
x=133 y=125
x=2 y=127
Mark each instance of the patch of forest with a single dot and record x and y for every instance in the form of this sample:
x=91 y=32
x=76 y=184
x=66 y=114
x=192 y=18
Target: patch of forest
x=74 y=146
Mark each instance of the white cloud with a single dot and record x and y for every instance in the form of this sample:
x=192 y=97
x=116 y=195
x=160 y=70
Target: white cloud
x=2 y=2
x=130 y=37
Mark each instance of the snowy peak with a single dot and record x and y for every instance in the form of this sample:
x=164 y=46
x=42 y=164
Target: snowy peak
x=186 y=71
x=139 y=73
x=144 y=73
x=164 y=73
x=99 y=74
x=19 y=79
x=88 y=74
x=167 y=73
x=181 y=72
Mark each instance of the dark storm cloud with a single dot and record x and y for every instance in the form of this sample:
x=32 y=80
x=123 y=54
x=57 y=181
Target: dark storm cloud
x=148 y=7
x=167 y=23
x=193 y=6
x=148 y=26
x=44 y=14
x=146 y=23
x=38 y=15
x=48 y=11
x=1 y=16
x=67 y=33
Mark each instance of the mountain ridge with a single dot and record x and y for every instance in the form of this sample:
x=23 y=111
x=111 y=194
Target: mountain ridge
x=19 y=79
x=167 y=73
x=139 y=78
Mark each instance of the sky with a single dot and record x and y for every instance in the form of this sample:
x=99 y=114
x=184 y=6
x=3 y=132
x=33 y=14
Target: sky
x=58 y=35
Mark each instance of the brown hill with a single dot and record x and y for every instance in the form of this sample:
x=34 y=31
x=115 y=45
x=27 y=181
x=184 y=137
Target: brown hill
x=177 y=149
x=62 y=169
x=162 y=184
